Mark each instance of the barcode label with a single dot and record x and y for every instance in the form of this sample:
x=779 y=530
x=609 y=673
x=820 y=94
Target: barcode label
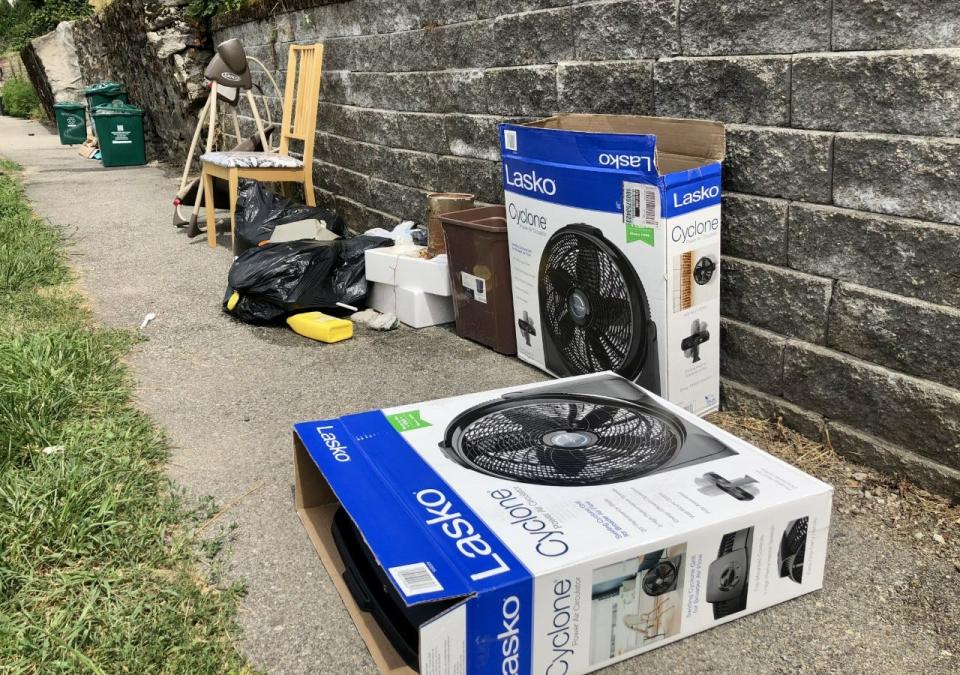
x=510 y=139
x=415 y=579
x=641 y=212
x=650 y=207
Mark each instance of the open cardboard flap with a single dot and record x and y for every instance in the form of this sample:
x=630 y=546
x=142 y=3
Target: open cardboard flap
x=681 y=143
x=316 y=505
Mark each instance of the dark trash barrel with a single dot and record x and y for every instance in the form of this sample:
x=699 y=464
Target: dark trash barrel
x=478 y=257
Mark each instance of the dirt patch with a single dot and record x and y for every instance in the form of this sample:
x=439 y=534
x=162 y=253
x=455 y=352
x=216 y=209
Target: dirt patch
x=927 y=522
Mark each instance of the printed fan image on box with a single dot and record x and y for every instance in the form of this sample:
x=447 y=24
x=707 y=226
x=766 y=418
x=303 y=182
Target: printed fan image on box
x=583 y=512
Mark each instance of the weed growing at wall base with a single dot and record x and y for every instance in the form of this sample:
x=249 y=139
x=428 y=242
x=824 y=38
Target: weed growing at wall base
x=98 y=571
x=19 y=98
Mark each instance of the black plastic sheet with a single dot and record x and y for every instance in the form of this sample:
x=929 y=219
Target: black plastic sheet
x=260 y=210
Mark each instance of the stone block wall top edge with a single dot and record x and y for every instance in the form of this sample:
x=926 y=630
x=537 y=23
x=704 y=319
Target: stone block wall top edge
x=885 y=217
x=883 y=371
x=780 y=201
x=394 y=111
x=861 y=447
x=909 y=138
x=750 y=328
x=392 y=148
x=367 y=206
x=599 y=62
x=950 y=51
x=728 y=57
x=775 y=268
x=905 y=299
x=739 y=126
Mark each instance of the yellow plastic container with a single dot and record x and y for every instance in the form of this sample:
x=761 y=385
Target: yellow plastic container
x=319 y=326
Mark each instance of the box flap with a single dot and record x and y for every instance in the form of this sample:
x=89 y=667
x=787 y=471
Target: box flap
x=397 y=542
x=681 y=144
x=415 y=524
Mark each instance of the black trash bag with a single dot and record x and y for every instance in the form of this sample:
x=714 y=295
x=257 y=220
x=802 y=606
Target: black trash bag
x=260 y=210
x=277 y=280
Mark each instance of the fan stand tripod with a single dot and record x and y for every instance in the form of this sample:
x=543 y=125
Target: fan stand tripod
x=228 y=73
x=208 y=117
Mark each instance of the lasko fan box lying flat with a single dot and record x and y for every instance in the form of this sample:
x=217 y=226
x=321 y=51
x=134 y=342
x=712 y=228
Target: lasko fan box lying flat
x=551 y=527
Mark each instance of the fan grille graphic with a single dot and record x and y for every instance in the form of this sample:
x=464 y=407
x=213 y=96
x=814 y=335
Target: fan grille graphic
x=792 y=549
x=587 y=305
x=566 y=440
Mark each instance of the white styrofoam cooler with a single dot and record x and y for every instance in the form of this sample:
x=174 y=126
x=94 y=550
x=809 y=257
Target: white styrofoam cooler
x=405 y=283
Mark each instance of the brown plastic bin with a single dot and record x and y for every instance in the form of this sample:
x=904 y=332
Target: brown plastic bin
x=478 y=257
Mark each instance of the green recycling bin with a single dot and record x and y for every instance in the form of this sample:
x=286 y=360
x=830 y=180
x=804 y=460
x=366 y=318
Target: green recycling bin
x=71 y=123
x=105 y=92
x=119 y=129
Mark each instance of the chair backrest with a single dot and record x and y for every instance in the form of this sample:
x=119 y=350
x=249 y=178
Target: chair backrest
x=301 y=98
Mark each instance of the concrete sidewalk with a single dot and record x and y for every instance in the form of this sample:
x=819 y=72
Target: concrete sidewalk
x=228 y=393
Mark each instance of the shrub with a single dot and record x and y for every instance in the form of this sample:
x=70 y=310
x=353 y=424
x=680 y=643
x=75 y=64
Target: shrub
x=19 y=98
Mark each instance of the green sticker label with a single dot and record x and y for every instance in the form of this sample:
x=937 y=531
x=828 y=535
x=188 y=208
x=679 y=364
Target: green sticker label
x=407 y=421
x=637 y=233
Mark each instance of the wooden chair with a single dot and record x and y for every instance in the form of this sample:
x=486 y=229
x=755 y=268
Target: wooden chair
x=300 y=101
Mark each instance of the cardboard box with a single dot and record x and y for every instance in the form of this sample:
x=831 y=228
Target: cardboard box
x=557 y=527
x=614 y=227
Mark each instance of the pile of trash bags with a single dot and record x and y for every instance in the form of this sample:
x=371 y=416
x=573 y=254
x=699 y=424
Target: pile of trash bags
x=285 y=278
x=275 y=280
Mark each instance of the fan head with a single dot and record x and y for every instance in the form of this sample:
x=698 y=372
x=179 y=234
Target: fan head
x=564 y=439
x=229 y=66
x=703 y=270
x=593 y=308
x=660 y=579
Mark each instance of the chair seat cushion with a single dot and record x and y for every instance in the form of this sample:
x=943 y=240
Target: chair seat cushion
x=238 y=159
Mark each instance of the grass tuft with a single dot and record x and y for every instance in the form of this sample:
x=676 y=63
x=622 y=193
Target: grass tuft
x=99 y=558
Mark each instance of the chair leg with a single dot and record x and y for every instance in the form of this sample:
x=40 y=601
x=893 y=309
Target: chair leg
x=233 y=186
x=211 y=210
x=308 y=195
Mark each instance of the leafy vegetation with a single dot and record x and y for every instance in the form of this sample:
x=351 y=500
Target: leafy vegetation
x=25 y=20
x=204 y=9
x=19 y=97
x=99 y=566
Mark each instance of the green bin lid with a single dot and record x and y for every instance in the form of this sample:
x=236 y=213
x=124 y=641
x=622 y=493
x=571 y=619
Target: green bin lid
x=68 y=105
x=105 y=87
x=117 y=108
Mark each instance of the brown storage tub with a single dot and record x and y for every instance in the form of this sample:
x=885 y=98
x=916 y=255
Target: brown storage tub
x=479 y=261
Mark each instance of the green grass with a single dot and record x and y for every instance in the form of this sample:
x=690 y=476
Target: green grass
x=100 y=566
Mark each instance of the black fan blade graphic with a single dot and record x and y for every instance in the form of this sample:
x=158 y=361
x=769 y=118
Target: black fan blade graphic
x=599 y=417
x=561 y=281
x=618 y=311
x=566 y=327
x=530 y=420
x=599 y=356
x=564 y=461
x=586 y=266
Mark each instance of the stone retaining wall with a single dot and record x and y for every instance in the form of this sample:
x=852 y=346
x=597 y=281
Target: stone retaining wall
x=159 y=56
x=841 y=278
